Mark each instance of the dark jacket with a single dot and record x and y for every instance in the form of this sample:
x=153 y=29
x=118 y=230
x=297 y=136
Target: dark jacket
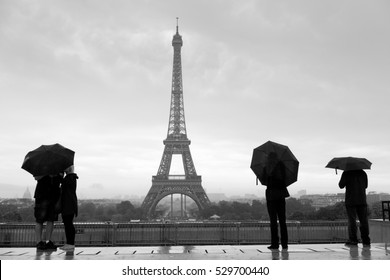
x=276 y=188
x=48 y=188
x=355 y=183
x=68 y=195
x=276 y=194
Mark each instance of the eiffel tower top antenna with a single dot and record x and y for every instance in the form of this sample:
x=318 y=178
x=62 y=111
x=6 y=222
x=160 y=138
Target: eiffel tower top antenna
x=177 y=126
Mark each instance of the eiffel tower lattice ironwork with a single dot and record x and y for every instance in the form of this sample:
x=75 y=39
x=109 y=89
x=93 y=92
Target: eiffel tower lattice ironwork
x=164 y=184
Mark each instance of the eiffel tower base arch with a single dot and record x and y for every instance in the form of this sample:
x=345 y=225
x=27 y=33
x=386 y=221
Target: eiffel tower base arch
x=165 y=187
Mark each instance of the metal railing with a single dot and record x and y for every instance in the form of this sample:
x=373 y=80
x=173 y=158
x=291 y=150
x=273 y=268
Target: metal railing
x=176 y=233
x=386 y=210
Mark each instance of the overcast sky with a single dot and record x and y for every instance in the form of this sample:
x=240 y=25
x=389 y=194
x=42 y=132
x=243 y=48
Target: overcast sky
x=95 y=76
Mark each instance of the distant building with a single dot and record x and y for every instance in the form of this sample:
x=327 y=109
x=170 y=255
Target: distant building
x=373 y=197
x=27 y=194
x=246 y=198
x=322 y=200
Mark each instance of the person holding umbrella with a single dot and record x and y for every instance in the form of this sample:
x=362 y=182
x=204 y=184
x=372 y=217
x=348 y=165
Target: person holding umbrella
x=46 y=194
x=354 y=180
x=276 y=167
x=355 y=183
x=275 y=194
x=47 y=164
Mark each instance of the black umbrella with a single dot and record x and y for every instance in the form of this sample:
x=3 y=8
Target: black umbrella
x=271 y=157
x=349 y=163
x=48 y=160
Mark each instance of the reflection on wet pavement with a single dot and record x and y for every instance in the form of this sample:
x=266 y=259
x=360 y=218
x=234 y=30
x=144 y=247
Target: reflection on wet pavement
x=213 y=252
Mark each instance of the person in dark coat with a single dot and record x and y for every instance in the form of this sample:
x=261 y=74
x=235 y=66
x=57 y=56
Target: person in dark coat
x=46 y=194
x=275 y=195
x=69 y=207
x=355 y=183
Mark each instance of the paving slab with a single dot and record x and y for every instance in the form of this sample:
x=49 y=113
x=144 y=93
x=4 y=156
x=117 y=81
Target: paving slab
x=378 y=251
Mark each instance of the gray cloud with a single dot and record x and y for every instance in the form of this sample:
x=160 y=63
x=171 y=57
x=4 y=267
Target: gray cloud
x=95 y=76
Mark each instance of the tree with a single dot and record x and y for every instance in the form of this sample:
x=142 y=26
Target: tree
x=298 y=215
x=12 y=216
x=124 y=207
x=334 y=212
x=376 y=210
x=295 y=209
x=86 y=211
x=119 y=218
x=207 y=212
x=127 y=210
x=230 y=216
x=27 y=214
x=259 y=210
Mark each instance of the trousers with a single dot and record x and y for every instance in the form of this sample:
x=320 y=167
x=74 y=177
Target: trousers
x=359 y=211
x=70 y=231
x=277 y=211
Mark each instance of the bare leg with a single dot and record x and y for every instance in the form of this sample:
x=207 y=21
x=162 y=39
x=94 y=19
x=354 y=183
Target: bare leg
x=38 y=231
x=49 y=230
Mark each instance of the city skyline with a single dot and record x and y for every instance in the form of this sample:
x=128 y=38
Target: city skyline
x=96 y=77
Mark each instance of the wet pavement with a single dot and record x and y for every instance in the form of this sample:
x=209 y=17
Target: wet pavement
x=377 y=251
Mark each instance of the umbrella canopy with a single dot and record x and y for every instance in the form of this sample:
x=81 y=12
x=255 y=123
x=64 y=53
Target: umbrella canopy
x=271 y=157
x=349 y=163
x=48 y=160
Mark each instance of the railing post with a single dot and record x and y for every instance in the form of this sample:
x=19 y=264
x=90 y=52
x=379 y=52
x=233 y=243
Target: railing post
x=114 y=230
x=162 y=233
x=332 y=231
x=386 y=209
x=238 y=233
x=176 y=233
x=298 y=225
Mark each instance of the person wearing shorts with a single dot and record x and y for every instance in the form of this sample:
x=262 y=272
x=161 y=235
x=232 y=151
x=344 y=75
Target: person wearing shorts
x=46 y=194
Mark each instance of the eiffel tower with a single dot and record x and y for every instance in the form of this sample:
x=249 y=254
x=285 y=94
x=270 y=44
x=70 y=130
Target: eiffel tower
x=164 y=184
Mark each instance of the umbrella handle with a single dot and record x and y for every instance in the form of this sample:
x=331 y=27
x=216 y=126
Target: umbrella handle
x=336 y=170
x=257 y=181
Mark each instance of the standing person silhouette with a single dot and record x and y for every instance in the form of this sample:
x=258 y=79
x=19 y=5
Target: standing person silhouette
x=46 y=194
x=355 y=183
x=275 y=195
x=69 y=207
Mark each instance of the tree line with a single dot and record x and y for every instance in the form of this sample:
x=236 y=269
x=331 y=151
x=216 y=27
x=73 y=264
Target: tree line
x=125 y=211
x=295 y=210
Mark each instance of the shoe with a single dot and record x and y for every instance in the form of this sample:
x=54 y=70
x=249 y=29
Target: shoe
x=273 y=247
x=285 y=247
x=366 y=245
x=350 y=243
x=41 y=245
x=50 y=245
x=67 y=247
